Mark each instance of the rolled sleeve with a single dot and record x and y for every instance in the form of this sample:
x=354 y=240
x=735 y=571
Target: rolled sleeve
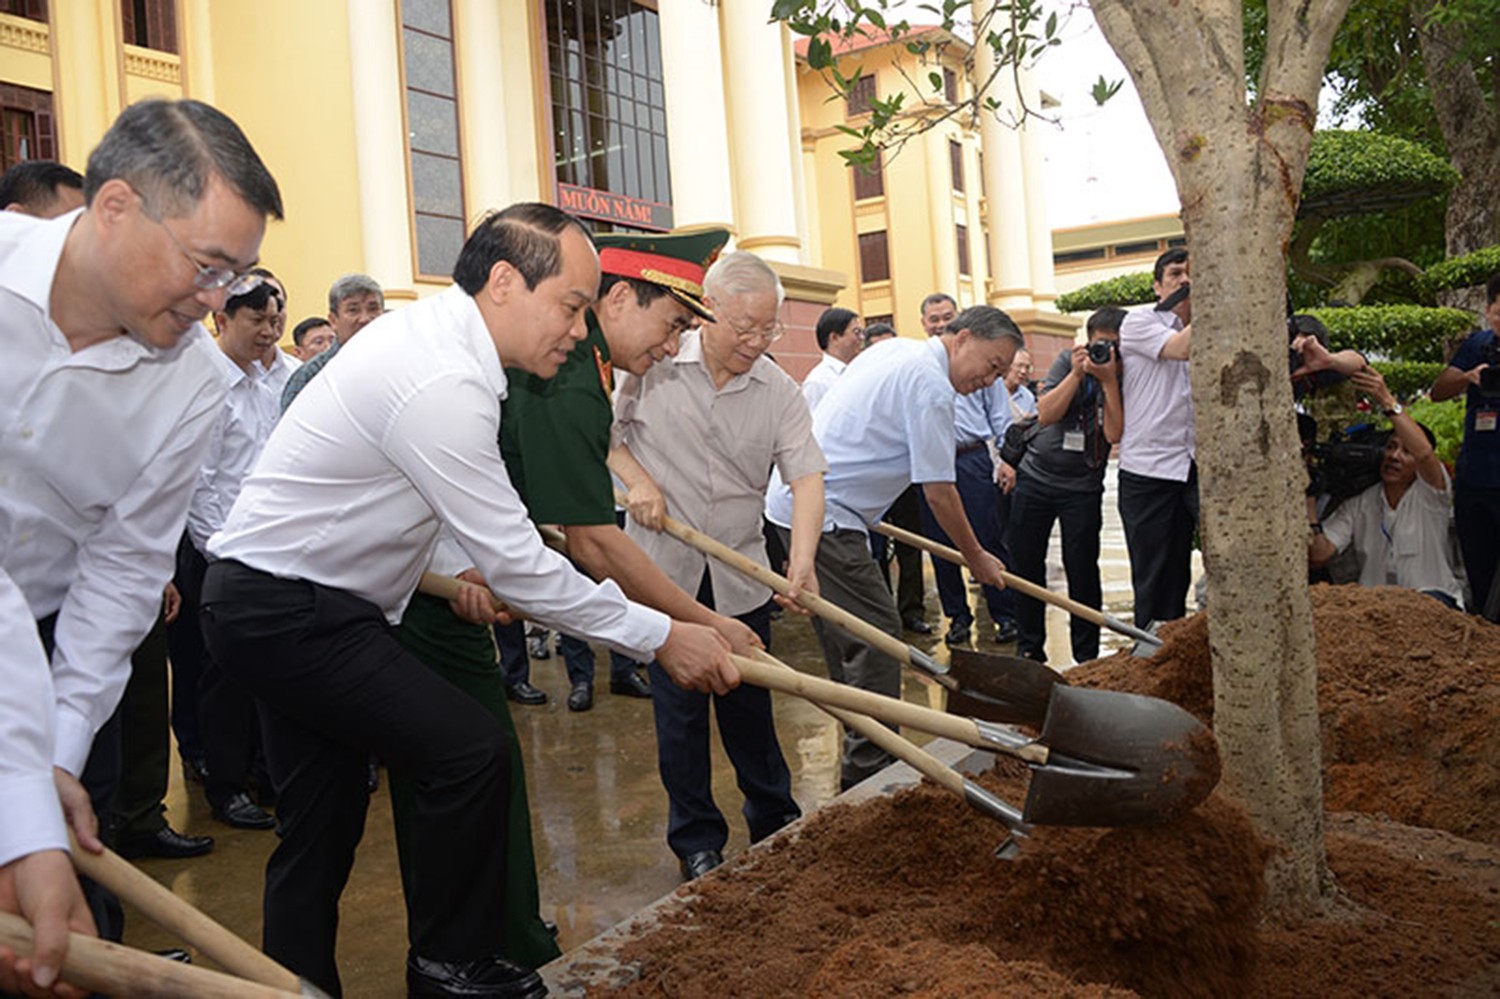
x=458 y=472
x=31 y=818
x=123 y=566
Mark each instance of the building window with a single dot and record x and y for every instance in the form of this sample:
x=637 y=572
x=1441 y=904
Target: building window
x=962 y=232
x=950 y=86
x=869 y=179
x=32 y=10
x=956 y=164
x=437 y=182
x=609 y=112
x=874 y=257
x=861 y=96
x=26 y=125
x=1078 y=256
x=982 y=191
x=151 y=24
x=1130 y=249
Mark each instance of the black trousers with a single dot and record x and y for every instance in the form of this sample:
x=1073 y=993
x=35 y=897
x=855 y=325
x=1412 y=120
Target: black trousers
x=748 y=730
x=144 y=744
x=1476 y=512
x=335 y=686
x=906 y=513
x=1159 y=516
x=1034 y=508
x=185 y=649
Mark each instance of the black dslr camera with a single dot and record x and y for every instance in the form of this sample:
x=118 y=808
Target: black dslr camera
x=1489 y=378
x=1100 y=351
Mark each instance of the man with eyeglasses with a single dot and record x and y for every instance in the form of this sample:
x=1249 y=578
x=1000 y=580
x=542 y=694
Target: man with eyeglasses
x=700 y=433
x=109 y=393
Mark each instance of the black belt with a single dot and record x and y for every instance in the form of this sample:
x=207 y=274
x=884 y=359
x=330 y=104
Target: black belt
x=966 y=448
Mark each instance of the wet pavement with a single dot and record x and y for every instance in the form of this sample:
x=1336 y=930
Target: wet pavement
x=599 y=811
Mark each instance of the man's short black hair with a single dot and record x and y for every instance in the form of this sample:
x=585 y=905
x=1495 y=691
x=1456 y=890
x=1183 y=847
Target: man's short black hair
x=831 y=323
x=256 y=298
x=935 y=298
x=646 y=292
x=168 y=150
x=878 y=330
x=524 y=235
x=1175 y=255
x=1492 y=289
x=300 y=331
x=1108 y=318
x=33 y=184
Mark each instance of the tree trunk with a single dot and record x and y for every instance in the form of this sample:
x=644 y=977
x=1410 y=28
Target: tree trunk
x=1239 y=169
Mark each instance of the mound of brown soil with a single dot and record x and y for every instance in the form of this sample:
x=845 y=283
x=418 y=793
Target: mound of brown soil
x=1408 y=694
x=927 y=969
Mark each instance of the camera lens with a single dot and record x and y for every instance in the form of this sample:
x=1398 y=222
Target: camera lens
x=1100 y=350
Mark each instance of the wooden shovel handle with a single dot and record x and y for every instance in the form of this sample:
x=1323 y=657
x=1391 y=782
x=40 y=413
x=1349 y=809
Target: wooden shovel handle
x=179 y=917
x=887 y=709
x=1013 y=581
x=111 y=969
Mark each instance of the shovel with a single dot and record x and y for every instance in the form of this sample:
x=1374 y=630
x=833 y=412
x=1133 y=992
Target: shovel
x=1146 y=643
x=997 y=688
x=1103 y=758
x=176 y=915
x=111 y=969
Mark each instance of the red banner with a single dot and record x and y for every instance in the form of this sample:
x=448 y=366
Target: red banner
x=635 y=213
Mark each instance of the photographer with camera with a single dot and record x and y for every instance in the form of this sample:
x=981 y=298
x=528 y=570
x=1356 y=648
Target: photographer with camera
x=1399 y=526
x=1060 y=478
x=1475 y=370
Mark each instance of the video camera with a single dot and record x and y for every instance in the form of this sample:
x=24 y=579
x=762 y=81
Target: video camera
x=1347 y=463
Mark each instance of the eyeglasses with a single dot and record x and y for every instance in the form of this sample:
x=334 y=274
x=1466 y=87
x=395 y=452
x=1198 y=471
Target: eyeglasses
x=766 y=334
x=212 y=278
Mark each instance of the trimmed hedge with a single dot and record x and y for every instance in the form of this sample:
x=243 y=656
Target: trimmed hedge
x=1407 y=379
x=1446 y=421
x=1401 y=332
x=1467 y=271
x=1125 y=290
x=1351 y=173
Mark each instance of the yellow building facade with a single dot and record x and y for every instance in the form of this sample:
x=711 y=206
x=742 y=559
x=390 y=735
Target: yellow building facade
x=392 y=124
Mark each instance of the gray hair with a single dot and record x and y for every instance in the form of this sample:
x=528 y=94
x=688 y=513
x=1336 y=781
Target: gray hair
x=168 y=150
x=349 y=286
x=741 y=273
x=935 y=298
x=988 y=323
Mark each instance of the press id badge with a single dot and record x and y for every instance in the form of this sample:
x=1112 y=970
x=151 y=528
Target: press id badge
x=1073 y=439
x=1484 y=420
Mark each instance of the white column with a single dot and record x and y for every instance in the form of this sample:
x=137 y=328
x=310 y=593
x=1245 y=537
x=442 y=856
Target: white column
x=1004 y=184
x=697 y=127
x=380 y=147
x=198 y=57
x=86 y=55
x=1038 y=226
x=483 y=122
x=764 y=158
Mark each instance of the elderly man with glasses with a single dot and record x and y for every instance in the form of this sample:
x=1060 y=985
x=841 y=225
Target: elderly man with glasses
x=110 y=390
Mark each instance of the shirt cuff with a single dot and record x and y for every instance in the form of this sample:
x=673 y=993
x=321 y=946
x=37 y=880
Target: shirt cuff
x=33 y=817
x=74 y=739
x=652 y=626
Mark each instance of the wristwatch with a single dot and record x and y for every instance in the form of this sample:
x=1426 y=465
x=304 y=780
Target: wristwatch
x=1395 y=411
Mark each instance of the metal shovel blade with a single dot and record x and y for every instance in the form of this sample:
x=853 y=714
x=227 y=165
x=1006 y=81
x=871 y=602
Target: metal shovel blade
x=1119 y=760
x=1001 y=688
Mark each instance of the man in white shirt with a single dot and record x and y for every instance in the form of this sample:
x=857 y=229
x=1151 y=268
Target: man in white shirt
x=321 y=554
x=840 y=338
x=108 y=395
x=1158 y=476
x=888 y=424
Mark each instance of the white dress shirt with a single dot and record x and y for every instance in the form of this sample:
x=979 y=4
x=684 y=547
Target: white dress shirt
x=886 y=423
x=98 y=453
x=243 y=426
x=982 y=416
x=710 y=451
x=280 y=370
x=395 y=437
x=1405 y=546
x=1159 y=439
x=821 y=378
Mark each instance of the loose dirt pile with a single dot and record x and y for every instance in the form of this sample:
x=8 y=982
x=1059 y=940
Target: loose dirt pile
x=1409 y=698
x=903 y=895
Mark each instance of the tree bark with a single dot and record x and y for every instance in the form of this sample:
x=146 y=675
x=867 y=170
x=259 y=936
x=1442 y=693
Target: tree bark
x=1239 y=168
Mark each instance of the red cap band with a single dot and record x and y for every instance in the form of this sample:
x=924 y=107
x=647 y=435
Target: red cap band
x=651 y=267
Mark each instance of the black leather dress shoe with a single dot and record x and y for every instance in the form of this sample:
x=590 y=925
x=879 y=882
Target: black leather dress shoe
x=194 y=769
x=525 y=693
x=242 y=813
x=917 y=626
x=631 y=684
x=491 y=977
x=695 y=865
x=1005 y=632
x=165 y=842
x=581 y=697
x=958 y=633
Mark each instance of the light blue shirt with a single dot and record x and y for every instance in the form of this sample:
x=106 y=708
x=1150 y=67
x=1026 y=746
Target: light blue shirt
x=982 y=415
x=1023 y=399
x=885 y=424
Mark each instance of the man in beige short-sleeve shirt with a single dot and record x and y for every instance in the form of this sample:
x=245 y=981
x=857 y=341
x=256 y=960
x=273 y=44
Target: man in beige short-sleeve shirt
x=696 y=438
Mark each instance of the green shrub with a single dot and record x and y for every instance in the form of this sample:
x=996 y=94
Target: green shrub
x=1467 y=271
x=1399 y=332
x=1125 y=290
x=1358 y=172
x=1446 y=421
x=1407 y=379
